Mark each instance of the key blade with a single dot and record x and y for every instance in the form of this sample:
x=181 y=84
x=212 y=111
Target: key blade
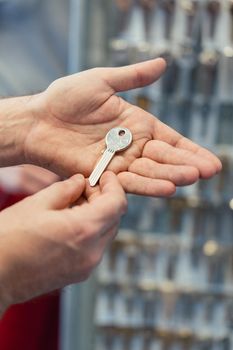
x=101 y=166
x=117 y=139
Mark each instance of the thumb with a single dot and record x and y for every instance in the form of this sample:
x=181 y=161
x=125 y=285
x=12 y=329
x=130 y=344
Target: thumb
x=134 y=75
x=62 y=194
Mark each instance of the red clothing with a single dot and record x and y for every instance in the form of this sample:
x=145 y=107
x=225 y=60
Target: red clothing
x=32 y=325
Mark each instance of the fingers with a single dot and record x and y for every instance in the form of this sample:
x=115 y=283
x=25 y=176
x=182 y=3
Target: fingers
x=137 y=184
x=164 y=133
x=61 y=194
x=135 y=75
x=185 y=143
x=106 y=204
x=107 y=238
x=111 y=198
x=164 y=153
x=33 y=178
x=179 y=175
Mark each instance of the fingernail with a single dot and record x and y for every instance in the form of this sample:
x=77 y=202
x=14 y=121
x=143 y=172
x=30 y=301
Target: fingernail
x=77 y=177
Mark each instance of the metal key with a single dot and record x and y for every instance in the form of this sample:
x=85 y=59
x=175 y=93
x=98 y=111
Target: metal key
x=117 y=139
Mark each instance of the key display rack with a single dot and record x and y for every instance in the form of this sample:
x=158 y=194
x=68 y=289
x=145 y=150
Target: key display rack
x=166 y=283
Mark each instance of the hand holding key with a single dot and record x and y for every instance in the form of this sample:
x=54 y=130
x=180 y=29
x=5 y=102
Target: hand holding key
x=60 y=242
x=76 y=112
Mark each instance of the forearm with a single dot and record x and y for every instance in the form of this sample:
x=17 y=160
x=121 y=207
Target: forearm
x=14 y=282
x=4 y=291
x=16 y=119
x=3 y=304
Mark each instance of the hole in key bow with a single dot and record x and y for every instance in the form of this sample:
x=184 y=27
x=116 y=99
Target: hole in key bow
x=121 y=132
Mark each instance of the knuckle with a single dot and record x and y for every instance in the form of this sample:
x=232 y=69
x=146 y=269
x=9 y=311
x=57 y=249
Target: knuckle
x=139 y=77
x=94 y=261
x=119 y=206
x=178 y=179
x=85 y=275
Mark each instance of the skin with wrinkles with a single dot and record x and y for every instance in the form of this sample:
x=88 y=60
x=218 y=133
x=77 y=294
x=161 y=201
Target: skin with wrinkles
x=60 y=241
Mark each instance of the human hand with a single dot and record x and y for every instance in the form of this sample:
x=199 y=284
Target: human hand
x=26 y=179
x=46 y=244
x=33 y=179
x=75 y=113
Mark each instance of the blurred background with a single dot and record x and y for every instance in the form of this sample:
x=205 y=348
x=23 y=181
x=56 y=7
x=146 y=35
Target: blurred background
x=166 y=283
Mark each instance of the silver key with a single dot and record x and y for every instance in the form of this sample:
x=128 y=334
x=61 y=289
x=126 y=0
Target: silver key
x=117 y=139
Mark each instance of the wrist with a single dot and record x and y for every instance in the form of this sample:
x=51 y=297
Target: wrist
x=16 y=119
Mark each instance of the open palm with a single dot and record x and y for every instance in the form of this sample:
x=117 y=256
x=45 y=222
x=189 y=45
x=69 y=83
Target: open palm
x=77 y=111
